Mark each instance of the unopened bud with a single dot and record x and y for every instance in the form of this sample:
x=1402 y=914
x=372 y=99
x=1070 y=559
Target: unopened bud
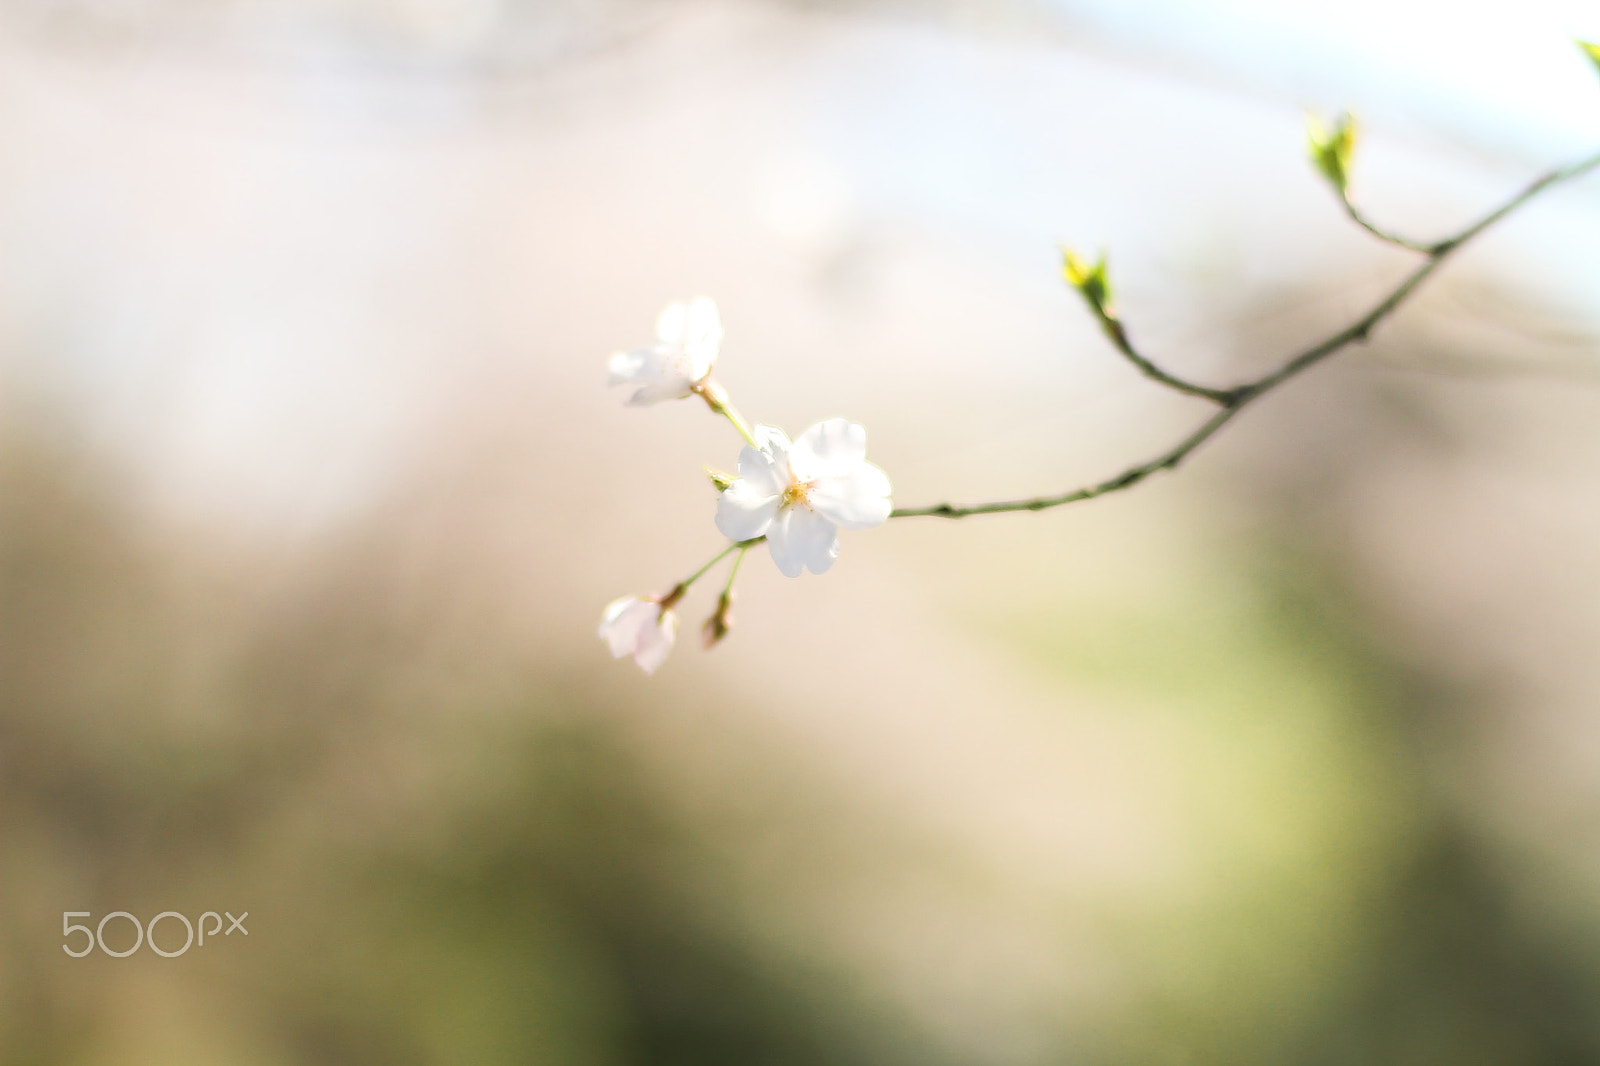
x=720 y=622
x=1592 y=51
x=1331 y=147
x=1088 y=280
x=721 y=479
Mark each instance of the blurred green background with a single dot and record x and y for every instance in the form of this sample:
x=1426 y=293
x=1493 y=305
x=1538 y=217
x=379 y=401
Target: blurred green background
x=311 y=496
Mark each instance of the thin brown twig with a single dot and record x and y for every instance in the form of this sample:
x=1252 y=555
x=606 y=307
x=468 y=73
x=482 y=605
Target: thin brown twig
x=1119 y=338
x=1233 y=400
x=1388 y=236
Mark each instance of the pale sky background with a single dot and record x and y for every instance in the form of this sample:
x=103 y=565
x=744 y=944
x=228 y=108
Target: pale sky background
x=1489 y=74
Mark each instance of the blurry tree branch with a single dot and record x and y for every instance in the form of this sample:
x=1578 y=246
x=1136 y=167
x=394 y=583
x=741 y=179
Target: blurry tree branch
x=1091 y=282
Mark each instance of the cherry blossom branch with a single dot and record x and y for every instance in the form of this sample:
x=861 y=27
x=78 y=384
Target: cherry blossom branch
x=796 y=496
x=1233 y=400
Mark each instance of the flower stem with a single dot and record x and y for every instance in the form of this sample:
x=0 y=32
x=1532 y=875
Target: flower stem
x=670 y=600
x=743 y=546
x=720 y=624
x=717 y=399
x=715 y=559
x=739 y=424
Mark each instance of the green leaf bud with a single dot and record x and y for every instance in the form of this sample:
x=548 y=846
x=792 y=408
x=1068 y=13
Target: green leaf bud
x=1592 y=51
x=1331 y=147
x=1089 y=280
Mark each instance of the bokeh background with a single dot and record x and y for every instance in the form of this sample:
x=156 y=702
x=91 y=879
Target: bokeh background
x=311 y=495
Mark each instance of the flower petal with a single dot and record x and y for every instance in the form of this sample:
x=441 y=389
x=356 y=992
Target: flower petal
x=660 y=375
x=859 y=500
x=744 y=511
x=765 y=473
x=829 y=449
x=639 y=364
x=702 y=336
x=666 y=387
x=655 y=642
x=622 y=621
x=799 y=538
x=673 y=326
x=772 y=441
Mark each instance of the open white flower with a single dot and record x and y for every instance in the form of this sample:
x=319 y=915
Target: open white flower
x=800 y=495
x=642 y=627
x=687 y=338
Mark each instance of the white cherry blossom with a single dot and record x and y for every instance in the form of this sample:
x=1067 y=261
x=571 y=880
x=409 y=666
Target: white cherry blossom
x=687 y=338
x=800 y=495
x=639 y=626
